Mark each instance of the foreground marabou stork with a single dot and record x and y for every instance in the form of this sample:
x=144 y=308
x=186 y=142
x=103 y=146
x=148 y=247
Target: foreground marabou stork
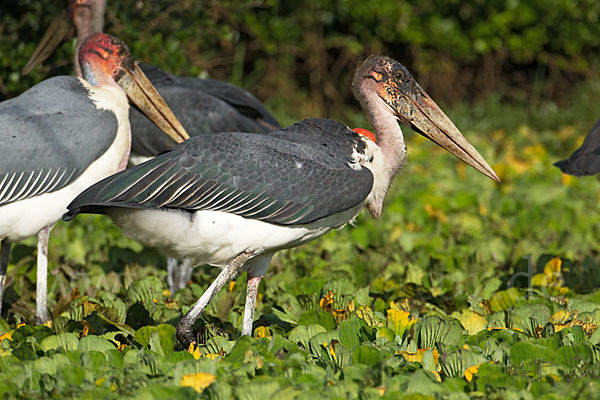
x=63 y=135
x=234 y=199
x=586 y=159
x=201 y=105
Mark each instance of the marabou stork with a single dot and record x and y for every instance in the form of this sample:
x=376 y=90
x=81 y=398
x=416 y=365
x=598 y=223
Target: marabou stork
x=63 y=135
x=201 y=105
x=586 y=159
x=234 y=199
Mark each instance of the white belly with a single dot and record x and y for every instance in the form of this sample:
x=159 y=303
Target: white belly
x=135 y=159
x=215 y=237
x=27 y=217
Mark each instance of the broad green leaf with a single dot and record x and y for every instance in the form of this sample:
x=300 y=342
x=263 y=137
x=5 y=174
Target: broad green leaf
x=523 y=351
x=528 y=317
x=145 y=290
x=490 y=287
x=4 y=326
x=92 y=342
x=362 y=297
x=572 y=356
x=505 y=299
x=595 y=338
x=163 y=340
x=386 y=333
x=470 y=320
x=73 y=375
x=493 y=375
x=67 y=341
x=258 y=390
x=350 y=332
x=303 y=333
x=583 y=305
x=572 y=334
x=423 y=383
x=456 y=363
x=93 y=360
x=51 y=365
x=432 y=330
x=218 y=344
x=311 y=317
x=239 y=350
x=142 y=335
x=365 y=354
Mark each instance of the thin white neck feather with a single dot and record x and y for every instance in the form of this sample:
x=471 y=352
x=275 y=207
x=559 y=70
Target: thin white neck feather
x=388 y=132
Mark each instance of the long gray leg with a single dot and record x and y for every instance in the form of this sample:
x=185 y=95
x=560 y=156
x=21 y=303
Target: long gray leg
x=172 y=274
x=186 y=268
x=256 y=267
x=41 y=298
x=179 y=274
x=4 y=257
x=251 y=292
x=184 y=330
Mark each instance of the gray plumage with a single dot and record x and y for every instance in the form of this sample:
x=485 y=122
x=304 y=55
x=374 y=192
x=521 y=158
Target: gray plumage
x=586 y=159
x=293 y=176
x=47 y=138
x=202 y=106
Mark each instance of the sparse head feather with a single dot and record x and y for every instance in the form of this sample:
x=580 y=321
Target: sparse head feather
x=381 y=69
x=103 y=54
x=366 y=133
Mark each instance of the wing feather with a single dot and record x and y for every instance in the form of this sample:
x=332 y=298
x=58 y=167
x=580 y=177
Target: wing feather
x=41 y=138
x=295 y=176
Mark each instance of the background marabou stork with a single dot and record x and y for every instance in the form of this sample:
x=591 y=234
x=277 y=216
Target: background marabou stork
x=63 y=135
x=586 y=159
x=201 y=105
x=234 y=199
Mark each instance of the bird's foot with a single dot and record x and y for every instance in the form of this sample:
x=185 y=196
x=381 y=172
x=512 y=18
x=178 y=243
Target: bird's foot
x=185 y=332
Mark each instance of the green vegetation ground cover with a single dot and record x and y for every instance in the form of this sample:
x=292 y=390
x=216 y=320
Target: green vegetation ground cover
x=463 y=289
x=431 y=301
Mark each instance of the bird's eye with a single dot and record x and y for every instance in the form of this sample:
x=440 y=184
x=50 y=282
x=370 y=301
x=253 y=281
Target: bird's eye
x=399 y=75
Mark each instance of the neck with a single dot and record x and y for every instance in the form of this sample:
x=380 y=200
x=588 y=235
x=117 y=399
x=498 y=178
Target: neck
x=390 y=141
x=93 y=73
x=92 y=21
x=389 y=135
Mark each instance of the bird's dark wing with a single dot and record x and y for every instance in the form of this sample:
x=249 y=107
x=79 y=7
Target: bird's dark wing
x=586 y=159
x=157 y=76
x=198 y=112
x=324 y=140
x=241 y=100
x=202 y=106
x=50 y=134
x=256 y=176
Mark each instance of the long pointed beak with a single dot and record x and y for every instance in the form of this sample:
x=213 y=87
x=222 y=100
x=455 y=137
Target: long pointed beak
x=144 y=95
x=60 y=30
x=422 y=114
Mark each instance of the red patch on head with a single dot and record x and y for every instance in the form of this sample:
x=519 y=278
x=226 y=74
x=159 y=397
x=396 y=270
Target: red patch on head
x=106 y=52
x=366 y=133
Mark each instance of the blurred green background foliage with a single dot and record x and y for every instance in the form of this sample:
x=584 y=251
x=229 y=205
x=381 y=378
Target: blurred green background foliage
x=519 y=78
x=299 y=56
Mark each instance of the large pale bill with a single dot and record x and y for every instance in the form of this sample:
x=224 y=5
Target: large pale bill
x=145 y=96
x=60 y=29
x=423 y=115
